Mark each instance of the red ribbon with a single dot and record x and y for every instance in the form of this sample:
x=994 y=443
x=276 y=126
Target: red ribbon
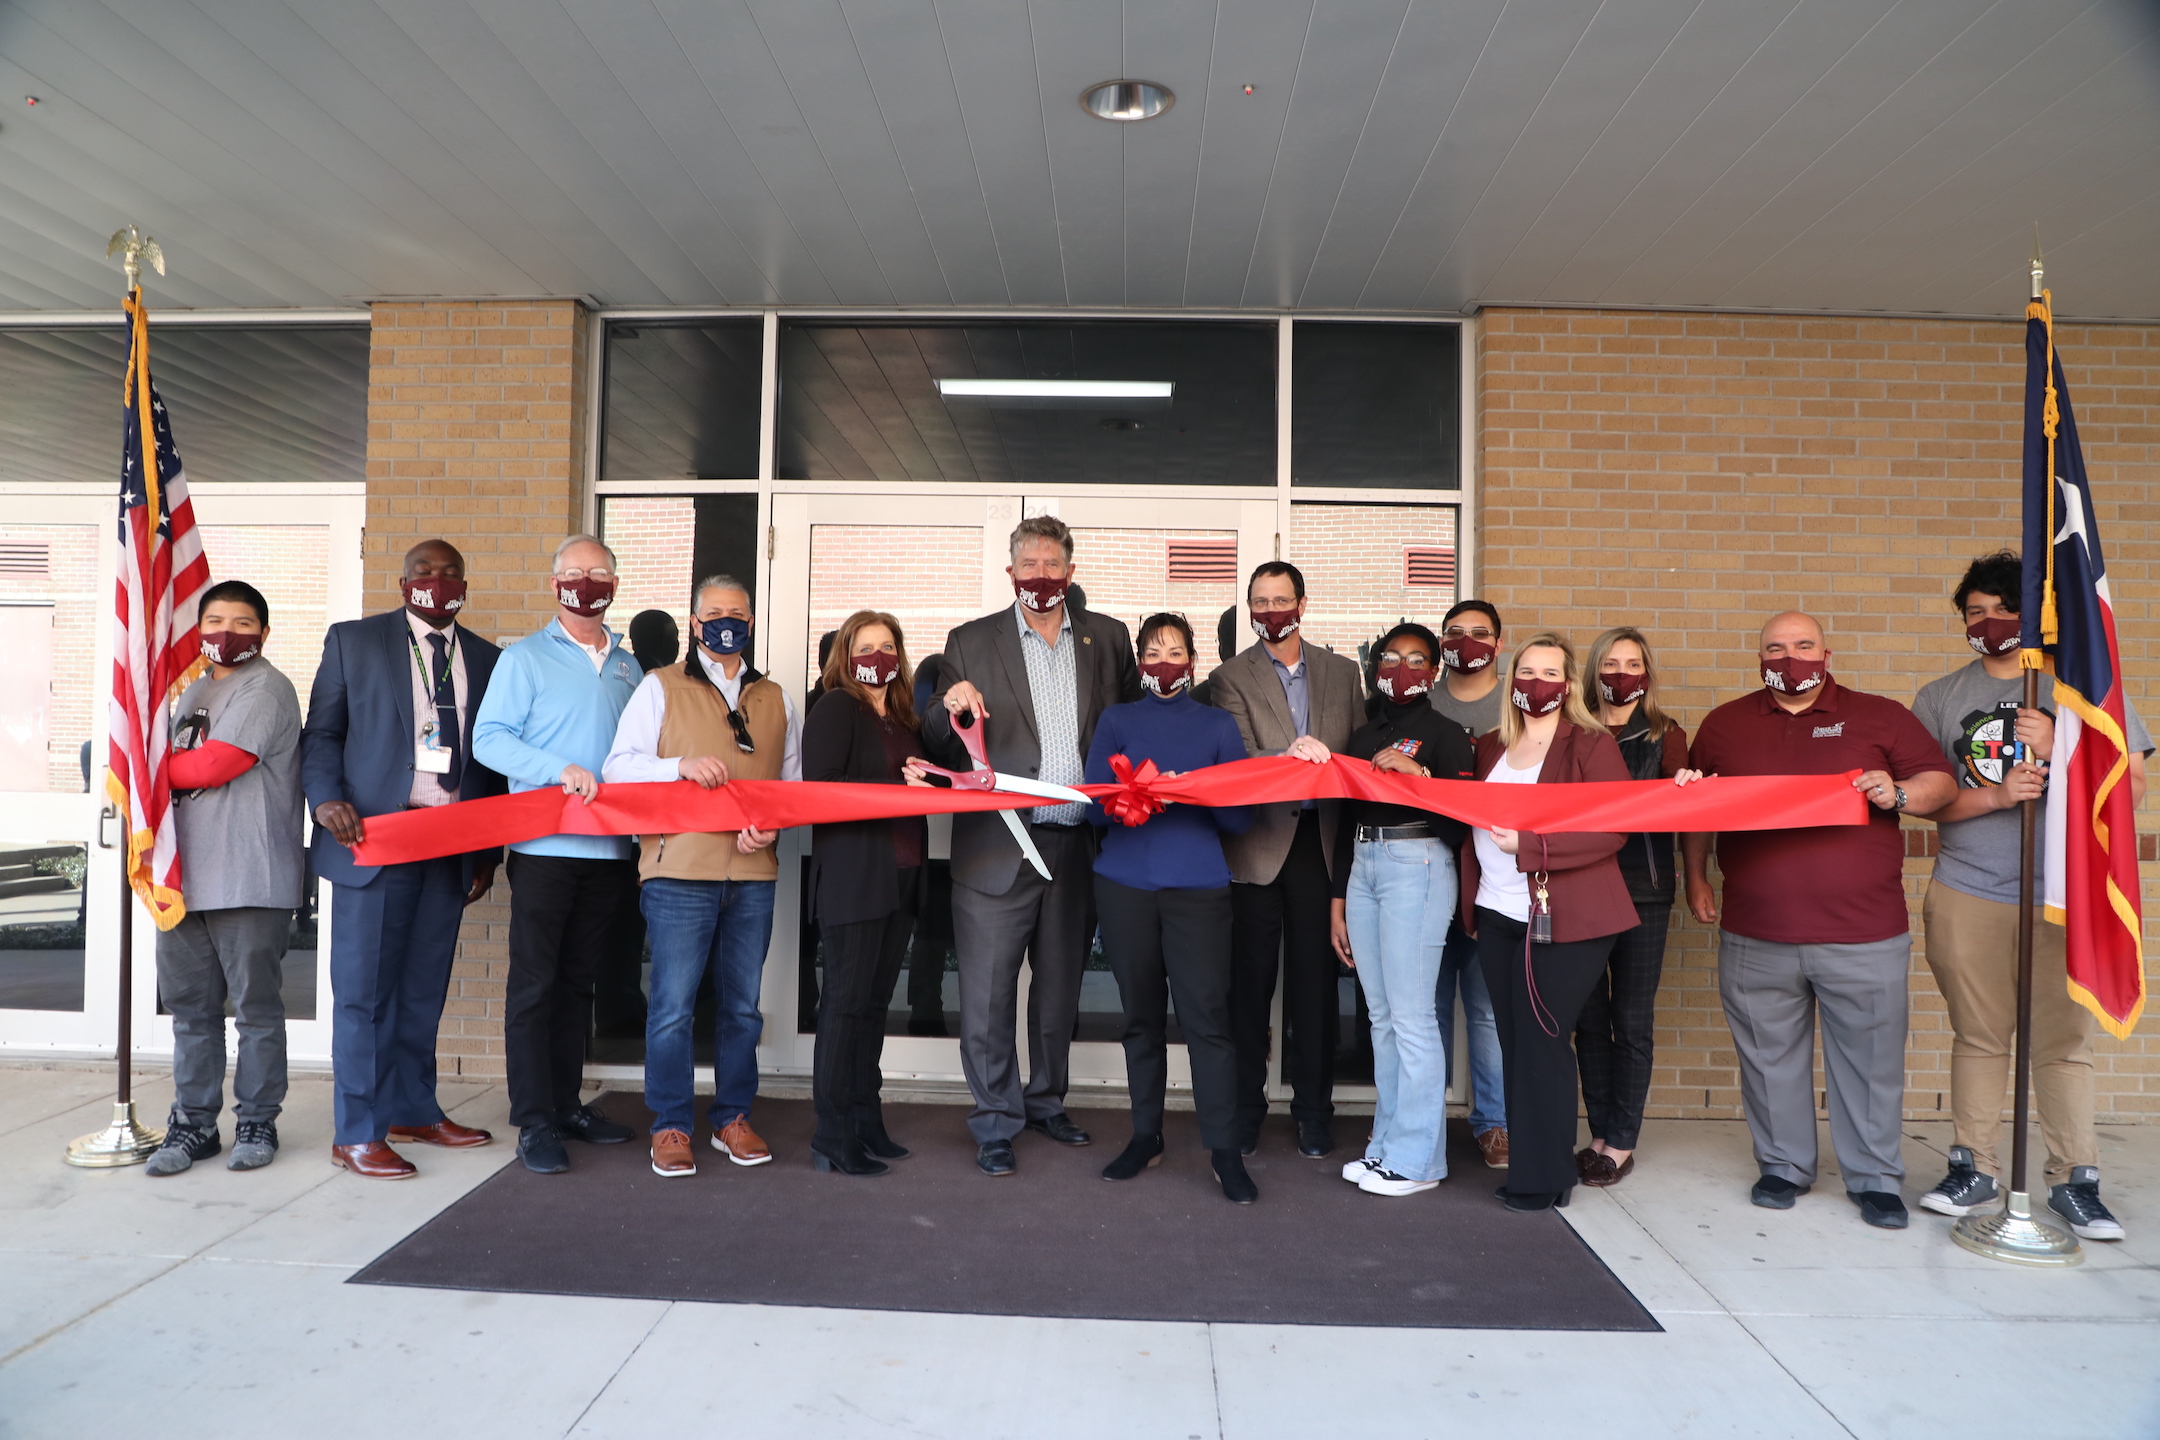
x=1738 y=802
x=1133 y=801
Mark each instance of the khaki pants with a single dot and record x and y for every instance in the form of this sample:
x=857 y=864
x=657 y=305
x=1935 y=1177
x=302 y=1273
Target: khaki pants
x=1972 y=948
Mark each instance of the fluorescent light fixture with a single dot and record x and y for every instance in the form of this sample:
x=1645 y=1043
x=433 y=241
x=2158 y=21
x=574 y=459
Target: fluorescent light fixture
x=1056 y=389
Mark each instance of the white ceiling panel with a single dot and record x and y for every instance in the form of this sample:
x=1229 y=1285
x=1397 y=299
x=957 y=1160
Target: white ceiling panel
x=1395 y=155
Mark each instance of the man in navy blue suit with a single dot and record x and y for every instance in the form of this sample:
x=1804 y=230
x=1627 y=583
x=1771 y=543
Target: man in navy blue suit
x=389 y=728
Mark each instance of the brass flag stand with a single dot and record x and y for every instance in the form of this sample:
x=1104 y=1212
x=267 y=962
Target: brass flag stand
x=2012 y=1233
x=125 y=1141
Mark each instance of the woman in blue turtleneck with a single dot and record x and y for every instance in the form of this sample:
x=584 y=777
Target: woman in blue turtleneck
x=1162 y=890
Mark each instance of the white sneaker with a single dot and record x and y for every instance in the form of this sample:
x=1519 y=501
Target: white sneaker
x=1377 y=1181
x=1357 y=1169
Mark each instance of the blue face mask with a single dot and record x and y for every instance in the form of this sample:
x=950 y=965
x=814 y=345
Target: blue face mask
x=725 y=636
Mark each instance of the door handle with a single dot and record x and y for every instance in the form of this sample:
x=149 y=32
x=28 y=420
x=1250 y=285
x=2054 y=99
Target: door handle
x=109 y=812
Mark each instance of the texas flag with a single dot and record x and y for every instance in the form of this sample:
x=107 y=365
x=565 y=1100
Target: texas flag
x=2069 y=629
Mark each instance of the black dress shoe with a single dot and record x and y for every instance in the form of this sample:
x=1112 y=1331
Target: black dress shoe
x=996 y=1158
x=1535 y=1200
x=1775 y=1192
x=1315 y=1138
x=1237 y=1186
x=589 y=1125
x=541 y=1148
x=1881 y=1208
x=844 y=1155
x=1060 y=1127
x=1140 y=1153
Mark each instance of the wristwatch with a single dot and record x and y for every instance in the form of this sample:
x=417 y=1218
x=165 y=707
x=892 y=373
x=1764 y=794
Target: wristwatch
x=1900 y=806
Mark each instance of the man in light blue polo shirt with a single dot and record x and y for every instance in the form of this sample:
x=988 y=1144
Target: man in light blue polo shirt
x=548 y=719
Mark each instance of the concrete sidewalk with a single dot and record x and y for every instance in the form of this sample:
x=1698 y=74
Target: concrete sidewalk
x=214 y=1304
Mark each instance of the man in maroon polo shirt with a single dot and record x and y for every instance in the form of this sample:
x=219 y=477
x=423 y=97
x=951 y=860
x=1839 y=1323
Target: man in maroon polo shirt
x=1815 y=920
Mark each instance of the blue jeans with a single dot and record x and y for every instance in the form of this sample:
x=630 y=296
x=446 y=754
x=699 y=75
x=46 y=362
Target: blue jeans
x=695 y=925
x=1488 y=1086
x=1402 y=893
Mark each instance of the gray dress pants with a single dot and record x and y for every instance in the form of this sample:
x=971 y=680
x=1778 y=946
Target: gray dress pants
x=209 y=955
x=1047 y=923
x=1772 y=993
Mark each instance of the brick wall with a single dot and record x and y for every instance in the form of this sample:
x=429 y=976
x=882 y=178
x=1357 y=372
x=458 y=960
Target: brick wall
x=1693 y=474
x=476 y=420
x=1352 y=557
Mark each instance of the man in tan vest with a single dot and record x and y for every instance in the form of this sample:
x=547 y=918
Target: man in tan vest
x=707 y=898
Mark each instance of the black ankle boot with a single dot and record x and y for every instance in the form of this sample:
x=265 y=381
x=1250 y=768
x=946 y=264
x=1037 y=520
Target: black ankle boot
x=1237 y=1186
x=870 y=1130
x=845 y=1155
x=1140 y=1153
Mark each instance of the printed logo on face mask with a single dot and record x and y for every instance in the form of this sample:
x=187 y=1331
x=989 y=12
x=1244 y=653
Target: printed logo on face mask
x=1466 y=656
x=1400 y=683
x=1537 y=697
x=437 y=597
x=1164 y=679
x=1995 y=634
x=585 y=595
x=1791 y=675
x=229 y=647
x=724 y=636
x=1275 y=626
x=875 y=669
x=1042 y=592
x=1619 y=688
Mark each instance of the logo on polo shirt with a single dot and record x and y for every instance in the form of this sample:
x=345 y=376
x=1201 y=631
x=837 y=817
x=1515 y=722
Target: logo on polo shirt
x=1830 y=732
x=1409 y=748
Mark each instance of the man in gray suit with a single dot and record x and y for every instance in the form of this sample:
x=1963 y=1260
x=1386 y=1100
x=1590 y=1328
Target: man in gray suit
x=1297 y=699
x=1036 y=676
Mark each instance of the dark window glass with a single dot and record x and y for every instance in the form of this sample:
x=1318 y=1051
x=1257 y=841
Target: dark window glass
x=1376 y=405
x=861 y=402
x=682 y=400
x=246 y=404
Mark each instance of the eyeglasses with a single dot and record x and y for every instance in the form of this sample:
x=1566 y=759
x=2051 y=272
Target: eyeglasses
x=1456 y=632
x=741 y=727
x=600 y=572
x=1415 y=660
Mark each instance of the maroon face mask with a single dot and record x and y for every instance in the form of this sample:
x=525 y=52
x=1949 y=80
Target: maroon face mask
x=875 y=669
x=1042 y=593
x=1275 y=626
x=1399 y=683
x=1995 y=635
x=434 y=597
x=1537 y=697
x=1165 y=679
x=585 y=595
x=1620 y=688
x=1466 y=656
x=230 y=647
x=1790 y=675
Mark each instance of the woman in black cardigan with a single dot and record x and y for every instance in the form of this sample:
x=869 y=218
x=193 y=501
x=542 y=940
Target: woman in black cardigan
x=865 y=882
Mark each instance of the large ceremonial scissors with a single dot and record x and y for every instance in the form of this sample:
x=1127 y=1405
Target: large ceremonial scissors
x=982 y=777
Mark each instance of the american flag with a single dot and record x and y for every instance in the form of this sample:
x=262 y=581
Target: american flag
x=156 y=649
x=2090 y=837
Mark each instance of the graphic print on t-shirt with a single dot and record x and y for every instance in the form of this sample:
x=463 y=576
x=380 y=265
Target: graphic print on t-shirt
x=1987 y=746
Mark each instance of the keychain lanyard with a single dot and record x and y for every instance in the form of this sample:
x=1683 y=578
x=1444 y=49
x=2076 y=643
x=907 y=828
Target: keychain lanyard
x=434 y=683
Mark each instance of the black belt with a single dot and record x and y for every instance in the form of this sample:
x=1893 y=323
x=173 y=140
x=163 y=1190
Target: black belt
x=1422 y=830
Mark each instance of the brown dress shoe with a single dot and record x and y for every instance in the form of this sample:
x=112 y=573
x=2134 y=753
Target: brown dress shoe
x=740 y=1143
x=672 y=1155
x=372 y=1160
x=1604 y=1172
x=443 y=1132
x=1493 y=1146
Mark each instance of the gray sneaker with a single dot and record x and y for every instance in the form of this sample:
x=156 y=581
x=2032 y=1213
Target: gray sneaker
x=254 y=1144
x=2078 y=1201
x=1963 y=1190
x=184 y=1145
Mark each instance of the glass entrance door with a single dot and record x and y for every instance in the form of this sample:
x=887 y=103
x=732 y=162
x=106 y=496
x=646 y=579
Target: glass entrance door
x=934 y=561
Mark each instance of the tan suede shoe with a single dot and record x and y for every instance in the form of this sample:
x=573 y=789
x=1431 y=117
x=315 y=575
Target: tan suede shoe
x=1493 y=1145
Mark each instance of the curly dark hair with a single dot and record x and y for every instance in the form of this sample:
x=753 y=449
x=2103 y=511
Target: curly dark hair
x=2001 y=574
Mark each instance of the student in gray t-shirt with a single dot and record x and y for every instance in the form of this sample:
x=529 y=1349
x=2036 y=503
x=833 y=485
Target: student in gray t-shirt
x=1470 y=640
x=235 y=770
x=1971 y=915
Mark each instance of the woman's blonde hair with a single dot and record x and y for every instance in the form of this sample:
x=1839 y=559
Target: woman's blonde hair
x=839 y=675
x=1572 y=709
x=1651 y=713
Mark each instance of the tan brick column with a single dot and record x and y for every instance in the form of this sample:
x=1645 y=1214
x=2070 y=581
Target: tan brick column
x=476 y=434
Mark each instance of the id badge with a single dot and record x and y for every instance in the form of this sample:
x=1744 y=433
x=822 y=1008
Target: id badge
x=430 y=761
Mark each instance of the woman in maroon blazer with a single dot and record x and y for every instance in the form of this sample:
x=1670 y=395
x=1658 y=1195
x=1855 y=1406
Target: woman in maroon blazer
x=1516 y=883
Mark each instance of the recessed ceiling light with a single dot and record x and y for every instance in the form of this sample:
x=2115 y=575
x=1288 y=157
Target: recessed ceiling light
x=1126 y=100
x=1056 y=389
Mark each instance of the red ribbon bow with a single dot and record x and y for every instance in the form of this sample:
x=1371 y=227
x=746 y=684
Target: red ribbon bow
x=1134 y=802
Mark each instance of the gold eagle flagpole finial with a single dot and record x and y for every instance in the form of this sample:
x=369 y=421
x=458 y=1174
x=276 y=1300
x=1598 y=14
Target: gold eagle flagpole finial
x=133 y=247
